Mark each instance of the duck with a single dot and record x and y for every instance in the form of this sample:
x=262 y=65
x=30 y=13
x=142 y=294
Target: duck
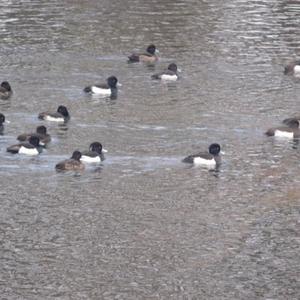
x=292 y=131
x=149 y=56
x=30 y=147
x=169 y=74
x=61 y=115
x=41 y=133
x=71 y=164
x=292 y=68
x=209 y=159
x=289 y=121
x=95 y=153
x=2 y=120
x=5 y=90
x=104 y=89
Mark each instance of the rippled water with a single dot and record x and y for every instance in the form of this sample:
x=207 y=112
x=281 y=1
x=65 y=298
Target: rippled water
x=143 y=225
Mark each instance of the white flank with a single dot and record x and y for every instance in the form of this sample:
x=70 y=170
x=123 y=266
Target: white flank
x=100 y=91
x=89 y=159
x=52 y=119
x=169 y=77
x=297 y=69
x=28 y=151
x=205 y=162
x=284 y=134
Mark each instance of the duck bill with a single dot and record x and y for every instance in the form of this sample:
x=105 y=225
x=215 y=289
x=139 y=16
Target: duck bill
x=104 y=150
x=119 y=84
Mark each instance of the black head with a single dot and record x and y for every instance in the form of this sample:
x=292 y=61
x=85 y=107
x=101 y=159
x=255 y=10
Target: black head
x=151 y=49
x=41 y=129
x=63 y=110
x=6 y=85
x=96 y=146
x=34 y=140
x=294 y=123
x=214 y=149
x=2 y=118
x=112 y=81
x=172 y=67
x=76 y=155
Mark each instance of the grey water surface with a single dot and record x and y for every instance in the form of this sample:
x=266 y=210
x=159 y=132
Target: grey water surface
x=142 y=225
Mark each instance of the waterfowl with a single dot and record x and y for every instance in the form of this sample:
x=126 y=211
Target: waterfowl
x=5 y=90
x=169 y=74
x=95 y=153
x=41 y=133
x=31 y=147
x=209 y=159
x=105 y=89
x=292 y=131
x=292 y=68
x=61 y=115
x=71 y=164
x=149 y=56
x=2 y=120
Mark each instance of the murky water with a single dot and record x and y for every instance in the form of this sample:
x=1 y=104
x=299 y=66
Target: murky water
x=143 y=225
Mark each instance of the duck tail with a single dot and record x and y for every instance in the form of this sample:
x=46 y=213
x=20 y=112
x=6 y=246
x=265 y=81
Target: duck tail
x=87 y=89
x=155 y=76
x=133 y=58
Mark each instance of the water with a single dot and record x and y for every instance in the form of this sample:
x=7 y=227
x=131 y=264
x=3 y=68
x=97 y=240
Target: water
x=143 y=225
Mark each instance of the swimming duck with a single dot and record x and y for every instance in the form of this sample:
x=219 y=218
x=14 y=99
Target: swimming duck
x=293 y=68
x=71 y=164
x=209 y=159
x=41 y=133
x=5 y=90
x=169 y=74
x=95 y=153
x=31 y=147
x=104 y=89
x=149 y=56
x=61 y=115
x=292 y=131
